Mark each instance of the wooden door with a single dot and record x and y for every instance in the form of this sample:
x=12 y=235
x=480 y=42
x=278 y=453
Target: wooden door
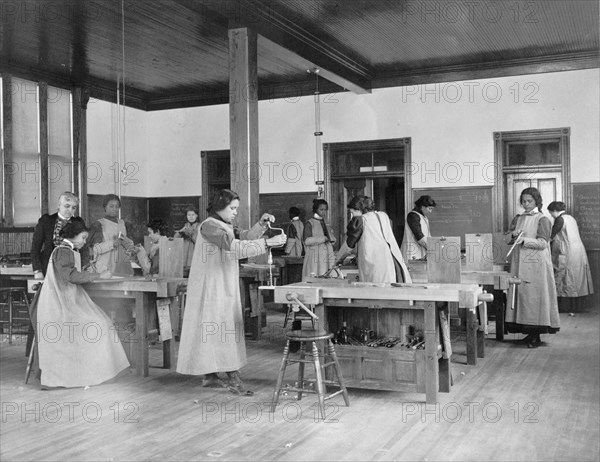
x=549 y=184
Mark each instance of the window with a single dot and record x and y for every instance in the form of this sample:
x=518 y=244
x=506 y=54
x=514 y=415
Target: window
x=532 y=153
x=23 y=165
x=37 y=151
x=364 y=158
x=60 y=150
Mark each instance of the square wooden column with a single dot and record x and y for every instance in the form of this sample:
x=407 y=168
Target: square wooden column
x=80 y=103
x=243 y=123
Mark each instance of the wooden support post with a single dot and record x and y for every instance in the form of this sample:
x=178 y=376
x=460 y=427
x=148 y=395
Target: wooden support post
x=243 y=123
x=472 y=331
x=7 y=132
x=44 y=161
x=81 y=98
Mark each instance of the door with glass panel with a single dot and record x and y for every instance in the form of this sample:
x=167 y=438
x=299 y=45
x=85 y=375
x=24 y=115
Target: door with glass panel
x=549 y=184
x=374 y=168
x=530 y=158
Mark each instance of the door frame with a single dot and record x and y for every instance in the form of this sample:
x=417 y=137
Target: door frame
x=561 y=135
x=331 y=149
x=208 y=178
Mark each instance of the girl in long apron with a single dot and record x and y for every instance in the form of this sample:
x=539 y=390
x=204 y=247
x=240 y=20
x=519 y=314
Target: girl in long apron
x=536 y=308
x=212 y=336
x=369 y=234
x=78 y=344
x=318 y=242
x=572 y=271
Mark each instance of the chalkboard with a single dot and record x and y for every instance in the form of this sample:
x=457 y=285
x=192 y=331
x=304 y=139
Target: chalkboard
x=134 y=212
x=459 y=211
x=586 y=210
x=279 y=206
x=172 y=209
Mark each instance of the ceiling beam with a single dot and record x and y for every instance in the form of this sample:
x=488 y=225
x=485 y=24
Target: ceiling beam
x=264 y=44
x=297 y=42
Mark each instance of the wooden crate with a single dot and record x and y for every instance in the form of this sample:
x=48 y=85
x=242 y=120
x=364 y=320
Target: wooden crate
x=380 y=368
x=394 y=369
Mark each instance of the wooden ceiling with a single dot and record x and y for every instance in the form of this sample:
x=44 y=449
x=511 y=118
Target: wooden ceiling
x=174 y=53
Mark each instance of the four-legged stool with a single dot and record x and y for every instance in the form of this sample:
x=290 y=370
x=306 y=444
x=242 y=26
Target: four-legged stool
x=312 y=336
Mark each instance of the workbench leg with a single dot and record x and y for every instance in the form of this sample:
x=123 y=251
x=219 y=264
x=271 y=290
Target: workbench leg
x=260 y=311
x=255 y=309
x=142 y=305
x=500 y=305
x=443 y=332
x=480 y=344
x=431 y=359
x=321 y=325
x=472 y=330
x=445 y=375
x=169 y=346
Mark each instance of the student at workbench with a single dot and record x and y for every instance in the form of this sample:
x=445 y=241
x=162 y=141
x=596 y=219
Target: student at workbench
x=536 y=308
x=370 y=233
x=212 y=339
x=416 y=231
x=318 y=242
x=77 y=341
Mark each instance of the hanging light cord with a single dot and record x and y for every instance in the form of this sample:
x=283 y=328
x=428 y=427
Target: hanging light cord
x=123 y=168
x=318 y=133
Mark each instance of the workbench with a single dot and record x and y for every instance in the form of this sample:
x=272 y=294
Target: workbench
x=252 y=276
x=394 y=369
x=498 y=278
x=144 y=292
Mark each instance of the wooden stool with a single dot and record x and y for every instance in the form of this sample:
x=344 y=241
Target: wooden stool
x=13 y=296
x=304 y=336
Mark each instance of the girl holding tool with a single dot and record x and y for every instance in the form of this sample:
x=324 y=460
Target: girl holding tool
x=212 y=338
x=535 y=311
x=108 y=242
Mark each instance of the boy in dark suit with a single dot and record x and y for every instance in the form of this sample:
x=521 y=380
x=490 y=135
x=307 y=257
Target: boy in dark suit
x=46 y=233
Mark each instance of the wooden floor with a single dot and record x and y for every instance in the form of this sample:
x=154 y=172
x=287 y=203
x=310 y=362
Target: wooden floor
x=516 y=404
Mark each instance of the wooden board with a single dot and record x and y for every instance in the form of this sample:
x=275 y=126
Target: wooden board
x=443 y=259
x=459 y=210
x=170 y=257
x=586 y=210
x=479 y=252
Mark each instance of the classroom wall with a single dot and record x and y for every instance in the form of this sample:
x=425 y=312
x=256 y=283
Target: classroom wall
x=449 y=124
x=110 y=150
